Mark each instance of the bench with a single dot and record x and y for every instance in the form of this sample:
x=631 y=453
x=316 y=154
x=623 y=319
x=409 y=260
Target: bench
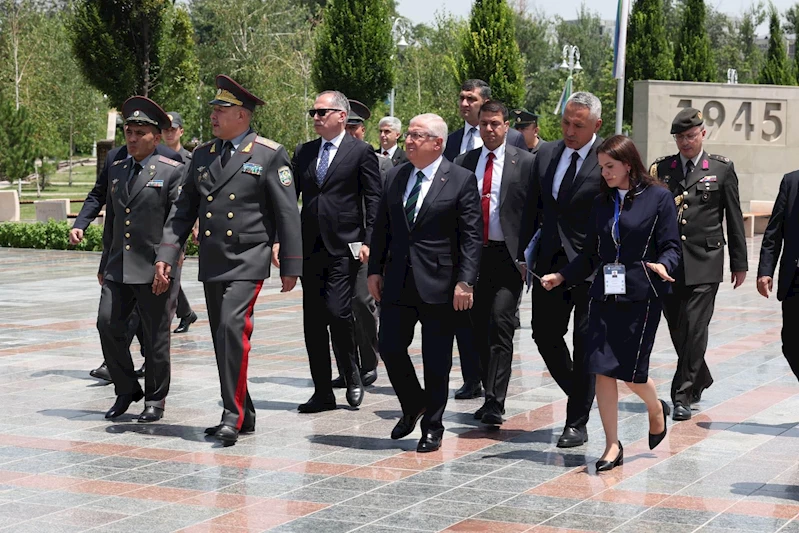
x=756 y=219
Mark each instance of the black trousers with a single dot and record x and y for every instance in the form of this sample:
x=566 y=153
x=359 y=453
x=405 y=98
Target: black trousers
x=230 y=314
x=495 y=297
x=366 y=314
x=551 y=313
x=790 y=319
x=688 y=310
x=184 y=308
x=397 y=324
x=328 y=285
x=467 y=348
x=117 y=304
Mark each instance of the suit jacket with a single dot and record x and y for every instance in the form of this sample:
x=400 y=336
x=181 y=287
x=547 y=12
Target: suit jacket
x=517 y=174
x=134 y=222
x=782 y=235
x=564 y=221
x=648 y=234
x=241 y=207
x=445 y=242
x=185 y=154
x=95 y=200
x=454 y=139
x=349 y=195
x=707 y=195
x=398 y=158
x=385 y=166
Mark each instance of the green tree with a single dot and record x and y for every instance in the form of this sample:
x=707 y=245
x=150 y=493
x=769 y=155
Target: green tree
x=649 y=53
x=693 y=57
x=776 y=70
x=490 y=52
x=792 y=26
x=354 y=50
x=534 y=35
x=752 y=56
x=17 y=152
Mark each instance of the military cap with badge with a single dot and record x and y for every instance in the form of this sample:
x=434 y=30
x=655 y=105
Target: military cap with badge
x=230 y=93
x=524 y=118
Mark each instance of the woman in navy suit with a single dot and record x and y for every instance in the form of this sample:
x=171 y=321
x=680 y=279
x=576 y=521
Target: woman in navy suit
x=632 y=247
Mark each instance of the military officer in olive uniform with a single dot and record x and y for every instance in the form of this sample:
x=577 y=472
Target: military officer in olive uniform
x=242 y=189
x=143 y=189
x=705 y=189
x=527 y=124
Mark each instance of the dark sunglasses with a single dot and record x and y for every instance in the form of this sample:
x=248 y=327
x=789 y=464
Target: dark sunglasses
x=321 y=112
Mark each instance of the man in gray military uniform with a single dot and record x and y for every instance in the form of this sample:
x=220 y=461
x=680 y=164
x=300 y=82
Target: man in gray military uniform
x=143 y=189
x=241 y=187
x=527 y=124
x=705 y=189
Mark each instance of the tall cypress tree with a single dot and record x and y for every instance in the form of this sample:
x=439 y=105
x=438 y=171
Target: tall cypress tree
x=354 y=50
x=649 y=53
x=693 y=57
x=17 y=150
x=491 y=53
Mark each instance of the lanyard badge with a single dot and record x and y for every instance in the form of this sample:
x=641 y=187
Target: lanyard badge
x=615 y=274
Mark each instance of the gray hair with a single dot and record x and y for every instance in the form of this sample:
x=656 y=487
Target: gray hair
x=392 y=122
x=339 y=100
x=586 y=99
x=435 y=126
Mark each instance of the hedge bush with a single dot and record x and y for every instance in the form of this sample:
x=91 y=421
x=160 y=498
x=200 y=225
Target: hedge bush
x=54 y=235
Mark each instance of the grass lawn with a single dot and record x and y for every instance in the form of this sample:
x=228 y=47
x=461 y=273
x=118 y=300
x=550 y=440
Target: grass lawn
x=83 y=178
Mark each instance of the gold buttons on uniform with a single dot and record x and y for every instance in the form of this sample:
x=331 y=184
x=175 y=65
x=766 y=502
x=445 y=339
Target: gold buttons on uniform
x=127 y=247
x=229 y=233
x=127 y=235
x=684 y=222
x=685 y=193
x=232 y=196
x=127 y=209
x=685 y=206
x=208 y=233
x=230 y=215
x=208 y=215
x=684 y=238
x=127 y=222
x=210 y=198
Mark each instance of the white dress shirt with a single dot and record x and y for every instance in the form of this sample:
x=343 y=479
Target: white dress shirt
x=336 y=141
x=565 y=161
x=494 y=226
x=478 y=141
x=429 y=173
x=391 y=151
x=684 y=161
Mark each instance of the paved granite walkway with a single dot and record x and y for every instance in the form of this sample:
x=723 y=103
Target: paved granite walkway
x=64 y=468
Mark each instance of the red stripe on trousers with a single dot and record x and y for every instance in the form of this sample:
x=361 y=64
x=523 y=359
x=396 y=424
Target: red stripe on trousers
x=241 y=385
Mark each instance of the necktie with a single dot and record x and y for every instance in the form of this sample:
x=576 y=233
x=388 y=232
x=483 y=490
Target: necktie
x=134 y=176
x=485 y=200
x=385 y=153
x=410 y=204
x=226 y=149
x=470 y=141
x=689 y=167
x=324 y=163
x=568 y=178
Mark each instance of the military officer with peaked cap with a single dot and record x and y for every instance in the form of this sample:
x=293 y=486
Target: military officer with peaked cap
x=241 y=187
x=705 y=189
x=526 y=123
x=143 y=189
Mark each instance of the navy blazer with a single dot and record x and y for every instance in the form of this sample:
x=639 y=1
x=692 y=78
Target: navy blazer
x=648 y=234
x=782 y=235
x=453 y=148
x=445 y=242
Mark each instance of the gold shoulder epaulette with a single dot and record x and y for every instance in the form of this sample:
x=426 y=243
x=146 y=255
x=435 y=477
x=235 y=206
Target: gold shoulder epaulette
x=168 y=161
x=653 y=170
x=719 y=158
x=269 y=143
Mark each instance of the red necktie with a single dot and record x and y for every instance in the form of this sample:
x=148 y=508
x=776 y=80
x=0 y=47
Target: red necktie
x=485 y=200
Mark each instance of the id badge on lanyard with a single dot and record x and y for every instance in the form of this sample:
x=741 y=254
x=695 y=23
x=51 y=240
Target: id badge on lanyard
x=615 y=273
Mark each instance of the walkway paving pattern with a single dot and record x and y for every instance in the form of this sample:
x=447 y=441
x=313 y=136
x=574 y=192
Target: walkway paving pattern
x=64 y=468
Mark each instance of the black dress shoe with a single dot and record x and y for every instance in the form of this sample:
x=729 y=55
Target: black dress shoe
x=244 y=429
x=469 y=390
x=478 y=415
x=369 y=377
x=151 y=414
x=101 y=372
x=339 y=383
x=655 y=439
x=317 y=404
x=406 y=425
x=140 y=372
x=185 y=322
x=228 y=435
x=123 y=402
x=604 y=466
x=355 y=390
x=681 y=412
x=492 y=415
x=572 y=437
x=429 y=442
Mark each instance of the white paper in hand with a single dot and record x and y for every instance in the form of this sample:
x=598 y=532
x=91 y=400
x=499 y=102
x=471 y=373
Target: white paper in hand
x=355 y=248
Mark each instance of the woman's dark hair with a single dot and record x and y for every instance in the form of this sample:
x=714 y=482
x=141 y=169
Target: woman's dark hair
x=622 y=148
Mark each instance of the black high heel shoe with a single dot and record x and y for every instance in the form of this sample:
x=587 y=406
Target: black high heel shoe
x=654 y=440
x=604 y=466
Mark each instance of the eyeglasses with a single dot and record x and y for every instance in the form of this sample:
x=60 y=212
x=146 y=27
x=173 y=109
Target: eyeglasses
x=321 y=112
x=419 y=136
x=681 y=137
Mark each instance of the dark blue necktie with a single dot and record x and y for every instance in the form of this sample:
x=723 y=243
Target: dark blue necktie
x=324 y=163
x=410 y=204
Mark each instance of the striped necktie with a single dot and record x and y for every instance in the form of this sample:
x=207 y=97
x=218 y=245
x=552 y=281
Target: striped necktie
x=410 y=204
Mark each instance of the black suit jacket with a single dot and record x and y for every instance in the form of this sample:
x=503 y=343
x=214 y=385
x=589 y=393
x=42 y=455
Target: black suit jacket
x=445 y=242
x=782 y=235
x=563 y=221
x=517 y=175
x=96 y=198
x=454 y=139
x=344 y=208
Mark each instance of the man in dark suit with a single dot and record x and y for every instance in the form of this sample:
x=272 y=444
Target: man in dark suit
x=426 y=246
x=339 y=180
x=504 y=174
x=241 y=188
x=566 y=178
x=782 y=235
x=390 y=132
x=705 y=189
x=143 y=189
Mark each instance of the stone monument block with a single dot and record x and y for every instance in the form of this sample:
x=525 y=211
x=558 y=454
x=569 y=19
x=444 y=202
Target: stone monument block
x=9 y=206
x=103 y=147
x=756 y=126
x=55 y=209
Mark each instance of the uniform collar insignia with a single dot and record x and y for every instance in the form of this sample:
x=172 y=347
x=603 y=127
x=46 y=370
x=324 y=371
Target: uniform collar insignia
x=673 y=163
x=247 y=149
x=705 y=165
